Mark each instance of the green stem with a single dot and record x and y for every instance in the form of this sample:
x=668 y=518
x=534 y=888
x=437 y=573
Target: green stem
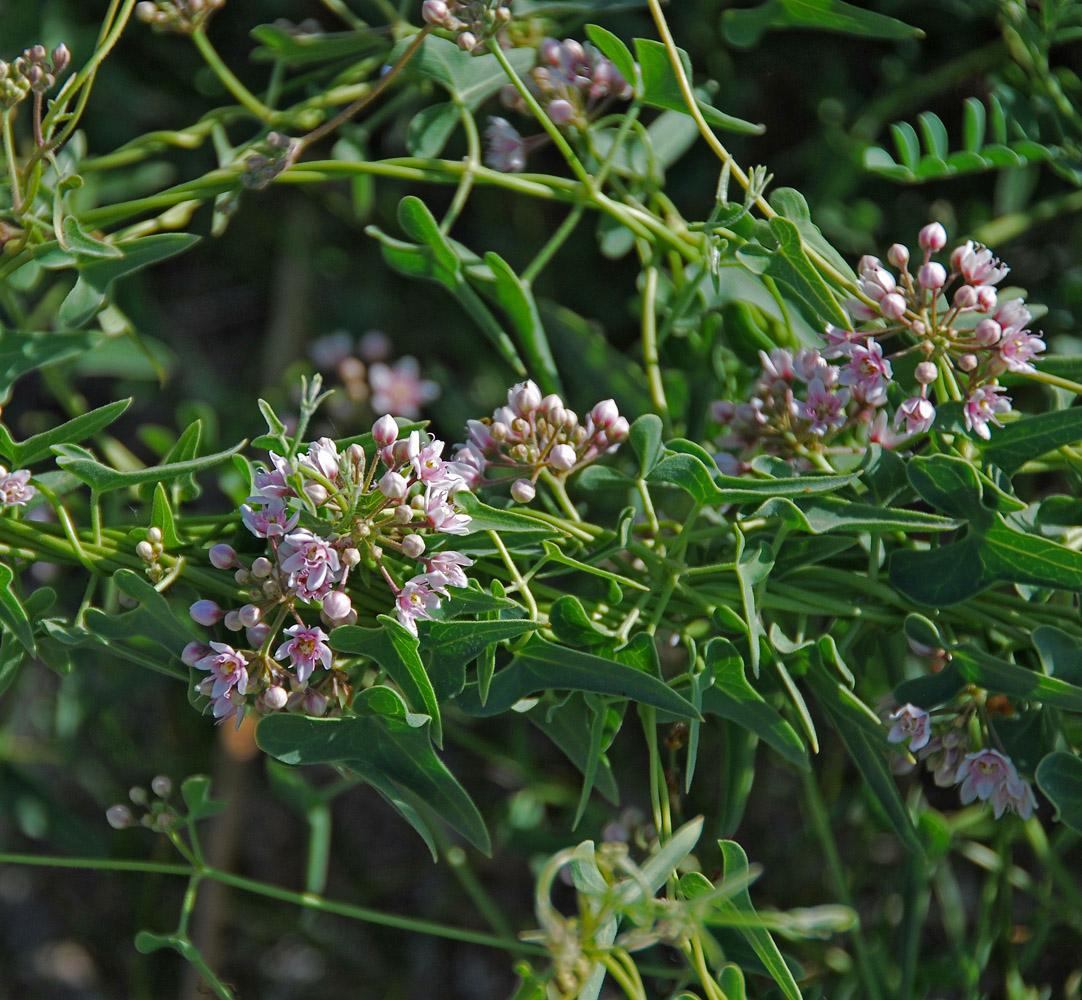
x=821 y=823
x=649 y=343
x=9 y=156
x=522 y=586
x=473 y=160
x=229 y=81
x=547 y=123
x=553 y=244
x=1060 y=383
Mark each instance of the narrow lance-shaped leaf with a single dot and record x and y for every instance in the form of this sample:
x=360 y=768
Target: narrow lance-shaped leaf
x=101 y=478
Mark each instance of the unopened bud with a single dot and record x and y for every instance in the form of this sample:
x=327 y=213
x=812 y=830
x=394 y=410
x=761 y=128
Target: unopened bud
x=562 y=457
x=393 y=486
x=275 y=697
x=619 y=430
x=523 y=490
x=145 y=551
x=986 y=298
x=249 y=615
x=988 y=332
x=560 y=112
x=498 y=430
x=403 y=513
x=932 y=275
x=892 y=306
x=193 y=652
x=257 y=634
x=261 y=567
x=205 y=613
x=242 y=576
x=154 y=535
x=317 y=493
x=138 y=795
x=898 y=255
x=222 y=556
x=385 y=430
x=119 y=817
x=60 y=58
x=604 y=414
x=965 y=297
x=350 y=556
x=933 y=237
x=232 y=621
x=467 y=41
x=967 y=362
x=926 y=372
x=337 y=605
x=434 y=11
x=413 y=546
x=162 y=786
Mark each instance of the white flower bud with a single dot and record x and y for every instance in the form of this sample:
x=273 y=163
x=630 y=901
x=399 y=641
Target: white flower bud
x=350 y=556
x=119 y=816
x=242 y=576
x=193 y=652
x=403 y=513
x=932 y=237
x=926 y=372
x=898 y=255
x=249 y=615
x=562 y=457
x=393 y=486
x=892 y=306
x=523 y=490
x=205 y=613
x=275 y=697
x=988 y=332
x=162 y=786
x=222 y=556
x=336 y=605
x=145 y=551
x=967 y=362
x=154 y=535
x=257 y=634
x=413 y=546
x=232 y=621
x=385 y=430
x=965 y=297
x=261 y=568
x=932 y=275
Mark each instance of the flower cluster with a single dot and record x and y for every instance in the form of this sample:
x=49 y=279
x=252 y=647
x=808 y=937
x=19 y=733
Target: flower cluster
x=949 y=319
x=471 y=21
x=159 y=814
x=987 y=775
x=532 y=435
x=34 y=71
x=354 y=509
x=571 y=81
x=15 y=488
x=182 y=16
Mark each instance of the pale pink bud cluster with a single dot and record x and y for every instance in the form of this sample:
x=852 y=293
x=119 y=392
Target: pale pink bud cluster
x=35 y=71
x=472 y=21
x=182 y=16
x=533 y=433
x=991 y=776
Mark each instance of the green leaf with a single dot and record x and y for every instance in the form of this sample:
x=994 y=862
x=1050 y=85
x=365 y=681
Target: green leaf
x=382 y=750
x=469 y=79
x=865 y=740
x=543 y=666
x=13 y=615
x=394 y=648
x=824 y=514
x=161 y=517
x=293 y=48
x=101 y=478
x=932 y=689
x=744 y=28
x=791 y=204
x=998 y=675
x=1059 y=776
x=1060 y=654
x=83 y=245
x=437 y=259
x=450 y=647
x=753 y=566
x=661 y=866
x=516 y=299
x=939 y=577
x=949 y=484
x=615 y=50
x=1031 y=437
x=24 y=453
x=780 y=254
x=707 y=486
x=732 y=697
x=573 y=626
x=936 y=141
x=486 y=518
x=973 y=119
x=736 y=869
x=195 y=791
x=1015 y=557
x=21 y=353
x=96 y=276
x=12 y=656
x=430 y=128
x=645 y=439
x=153 y=619
x=661 y=89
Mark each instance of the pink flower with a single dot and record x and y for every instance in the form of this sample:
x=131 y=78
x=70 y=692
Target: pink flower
x=448 y=566
x=983 y=407
x=306 y=646
x=825 y=408
x=311 y=562
x=469 y=464
x=15 y=489
x=322 y=458
x=989 y=775
x=400 y=390
x=442 y=516
x=875 y=281
x=228 y=669
x=917 y=413
x=868 y=373
x=910 y=723
x=415 y=600
x=1012 y=315
x=1017 y=349
x=778 y=364
x=840 y=342
x=977 y=264
x=271 y=483
x=505 y=149
x=270 y=521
